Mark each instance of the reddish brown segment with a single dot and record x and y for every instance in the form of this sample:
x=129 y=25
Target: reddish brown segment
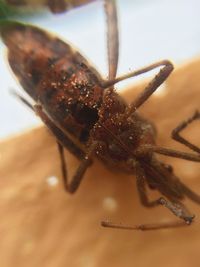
x=31 y=53
x=55 y=74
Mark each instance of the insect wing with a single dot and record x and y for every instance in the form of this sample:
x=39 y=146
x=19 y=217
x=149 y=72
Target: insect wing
x=31 y=52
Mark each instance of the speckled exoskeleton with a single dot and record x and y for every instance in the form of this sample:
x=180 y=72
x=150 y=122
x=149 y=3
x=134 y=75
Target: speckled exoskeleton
x=89 y=118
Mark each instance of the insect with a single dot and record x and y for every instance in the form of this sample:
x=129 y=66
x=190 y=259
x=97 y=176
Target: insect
x=89 y=118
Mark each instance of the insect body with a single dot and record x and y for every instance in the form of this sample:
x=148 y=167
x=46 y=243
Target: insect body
x=89 y=118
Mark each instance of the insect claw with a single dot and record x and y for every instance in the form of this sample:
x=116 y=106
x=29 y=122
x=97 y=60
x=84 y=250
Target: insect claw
x=189 y=219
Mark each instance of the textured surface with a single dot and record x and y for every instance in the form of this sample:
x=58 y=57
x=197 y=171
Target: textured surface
x=41 y=225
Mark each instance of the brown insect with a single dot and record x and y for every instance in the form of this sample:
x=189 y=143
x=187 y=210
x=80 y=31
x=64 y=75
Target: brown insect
x=90 y=119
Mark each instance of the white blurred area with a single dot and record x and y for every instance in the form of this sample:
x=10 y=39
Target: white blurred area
x=150 y=30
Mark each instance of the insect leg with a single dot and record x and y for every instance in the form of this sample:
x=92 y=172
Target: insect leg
x=72 y=186
x=167 y=152
x=63 y=165
x=112 y=36
x=176 y=208
x=184 y=189
x=63 y=142
x=143 y=227
x=165 y=71
x=61 y=137
x=176 y=136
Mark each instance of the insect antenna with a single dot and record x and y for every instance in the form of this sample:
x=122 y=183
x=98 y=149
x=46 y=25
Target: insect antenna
x=112 y=37
x=15 y=94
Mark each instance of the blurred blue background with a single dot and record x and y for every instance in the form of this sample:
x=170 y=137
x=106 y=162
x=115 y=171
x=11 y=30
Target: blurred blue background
x=150 y=30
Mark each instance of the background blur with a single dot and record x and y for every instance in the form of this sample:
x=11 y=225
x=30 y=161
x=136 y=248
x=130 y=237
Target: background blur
x=150 y=30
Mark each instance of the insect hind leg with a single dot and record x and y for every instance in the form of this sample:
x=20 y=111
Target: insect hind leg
x=176 y=208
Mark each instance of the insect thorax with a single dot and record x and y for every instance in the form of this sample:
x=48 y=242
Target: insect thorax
x=120 y=136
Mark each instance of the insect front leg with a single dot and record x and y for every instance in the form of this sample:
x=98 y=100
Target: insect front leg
x=112 y=36
x=167 y=68
x=176 y=132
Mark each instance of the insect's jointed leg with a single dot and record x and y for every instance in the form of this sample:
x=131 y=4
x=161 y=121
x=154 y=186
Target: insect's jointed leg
x=176 y=154
x=63 y=165
x=153 y=85
x=173 y=153
x=112 y=36
x=176 y=208
x=61 y=138
x=72 y=186
x=176 y=132
x=64 y=142
x=79 y=174
x=167 y=152
x=165 y=71
x=73 y=148
x=143 y=227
